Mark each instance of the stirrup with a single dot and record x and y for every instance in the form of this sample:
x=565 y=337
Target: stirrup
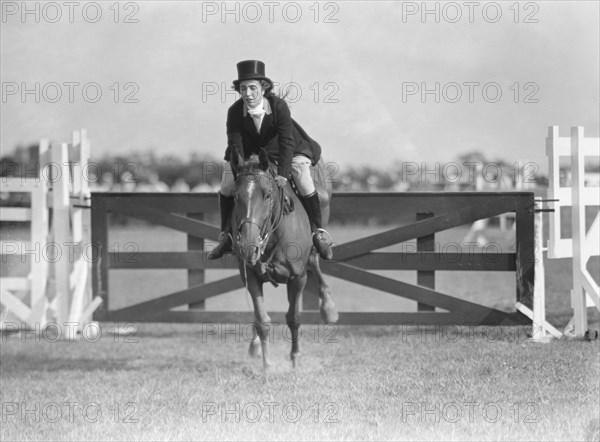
x=323 y=245
x=224 y=246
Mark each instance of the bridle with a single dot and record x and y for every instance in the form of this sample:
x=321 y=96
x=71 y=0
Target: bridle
x=272 y=221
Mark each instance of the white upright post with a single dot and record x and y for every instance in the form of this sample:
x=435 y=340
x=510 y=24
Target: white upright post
x=542 y=331
x=79 y=281
x=556 y=147
x=76 y=163
x=539 y=291
x=578 y=298
x=84 y=194
x=61 y=229
x=39 y=240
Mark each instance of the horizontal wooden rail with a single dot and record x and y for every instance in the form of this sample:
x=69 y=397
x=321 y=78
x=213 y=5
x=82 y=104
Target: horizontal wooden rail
x=308 y=318
x=460 y=261
x=18 y=214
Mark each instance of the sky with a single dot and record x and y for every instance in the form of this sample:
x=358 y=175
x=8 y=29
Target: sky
x=375 y=83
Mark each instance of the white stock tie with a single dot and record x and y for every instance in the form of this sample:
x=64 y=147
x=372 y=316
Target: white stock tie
x=257 y=115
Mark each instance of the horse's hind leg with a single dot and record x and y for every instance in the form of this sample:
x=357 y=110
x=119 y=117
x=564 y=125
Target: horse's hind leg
x=254 y=349
x=292 y=317
x=329 y=313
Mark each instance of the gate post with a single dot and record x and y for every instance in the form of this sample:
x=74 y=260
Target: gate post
x=100 y=256
x=426 y=278
x=196 y=276
x=525 y=248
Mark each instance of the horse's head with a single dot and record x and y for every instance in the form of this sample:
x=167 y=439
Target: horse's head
x=254 y=201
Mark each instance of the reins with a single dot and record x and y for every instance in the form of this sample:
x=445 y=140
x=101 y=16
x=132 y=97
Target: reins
x=272 y=221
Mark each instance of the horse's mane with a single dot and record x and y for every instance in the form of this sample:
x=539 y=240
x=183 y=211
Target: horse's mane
x=253 y=166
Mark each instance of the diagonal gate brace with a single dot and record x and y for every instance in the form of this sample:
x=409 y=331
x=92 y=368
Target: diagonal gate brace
x=423 y=228
x=472 y=312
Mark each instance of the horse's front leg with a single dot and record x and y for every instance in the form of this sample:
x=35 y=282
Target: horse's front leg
x=292 y=317
x=262 y=321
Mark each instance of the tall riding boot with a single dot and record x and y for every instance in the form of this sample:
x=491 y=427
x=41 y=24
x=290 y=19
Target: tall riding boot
x=313 y=208
x=225 y=244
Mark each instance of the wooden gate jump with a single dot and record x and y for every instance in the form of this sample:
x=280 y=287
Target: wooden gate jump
x=433 y=212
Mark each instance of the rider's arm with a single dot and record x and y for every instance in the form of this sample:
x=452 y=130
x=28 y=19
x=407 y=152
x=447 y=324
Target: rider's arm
x=283 y=124
x=234 y=131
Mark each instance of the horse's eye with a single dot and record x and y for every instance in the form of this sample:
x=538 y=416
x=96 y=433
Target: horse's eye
x=267 y=195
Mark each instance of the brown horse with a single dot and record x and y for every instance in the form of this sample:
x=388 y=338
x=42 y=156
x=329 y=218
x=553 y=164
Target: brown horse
x=272 y=241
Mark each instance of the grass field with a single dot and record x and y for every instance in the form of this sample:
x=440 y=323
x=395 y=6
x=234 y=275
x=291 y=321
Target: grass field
x=195 y=382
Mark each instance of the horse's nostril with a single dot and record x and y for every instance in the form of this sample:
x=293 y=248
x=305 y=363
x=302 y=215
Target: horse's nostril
x=252 y=252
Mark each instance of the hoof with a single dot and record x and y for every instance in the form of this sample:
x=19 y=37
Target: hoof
x=254 y=350
x=295 y=358
x=267 y=368
x=328 y=313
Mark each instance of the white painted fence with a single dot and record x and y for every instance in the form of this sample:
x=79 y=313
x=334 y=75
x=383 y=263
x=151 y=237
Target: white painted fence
x=583 y=243
x=62 y=186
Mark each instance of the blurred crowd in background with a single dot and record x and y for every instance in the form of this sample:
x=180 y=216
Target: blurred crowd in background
x=147 y=172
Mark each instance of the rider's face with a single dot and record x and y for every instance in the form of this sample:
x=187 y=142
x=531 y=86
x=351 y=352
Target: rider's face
x=251 y=92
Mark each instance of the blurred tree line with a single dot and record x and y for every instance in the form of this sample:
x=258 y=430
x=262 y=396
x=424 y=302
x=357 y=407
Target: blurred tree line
x=151 y=172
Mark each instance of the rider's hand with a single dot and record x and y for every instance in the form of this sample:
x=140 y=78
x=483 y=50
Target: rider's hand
x=281 y=181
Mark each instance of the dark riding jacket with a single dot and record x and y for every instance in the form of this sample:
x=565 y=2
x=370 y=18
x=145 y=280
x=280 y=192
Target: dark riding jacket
x=279 y=134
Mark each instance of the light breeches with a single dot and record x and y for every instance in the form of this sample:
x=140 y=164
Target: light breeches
x=300 y=174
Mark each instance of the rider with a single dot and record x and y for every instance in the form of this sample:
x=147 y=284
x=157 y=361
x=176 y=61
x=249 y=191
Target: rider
x=260 y=119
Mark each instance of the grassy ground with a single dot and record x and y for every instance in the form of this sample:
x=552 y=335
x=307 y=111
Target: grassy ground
x=387 y=383
x=194 y=382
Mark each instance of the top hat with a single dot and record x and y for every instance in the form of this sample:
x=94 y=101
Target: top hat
x=250 y=70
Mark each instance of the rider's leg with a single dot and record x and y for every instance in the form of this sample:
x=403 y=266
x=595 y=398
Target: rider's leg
x=226 y=209
x=304 y=183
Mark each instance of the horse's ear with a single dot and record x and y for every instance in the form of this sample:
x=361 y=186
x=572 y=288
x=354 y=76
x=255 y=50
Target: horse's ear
x=237 y=159
x=263 y=158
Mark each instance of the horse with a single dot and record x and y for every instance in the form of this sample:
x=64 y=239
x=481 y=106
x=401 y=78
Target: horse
x=272 y=242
